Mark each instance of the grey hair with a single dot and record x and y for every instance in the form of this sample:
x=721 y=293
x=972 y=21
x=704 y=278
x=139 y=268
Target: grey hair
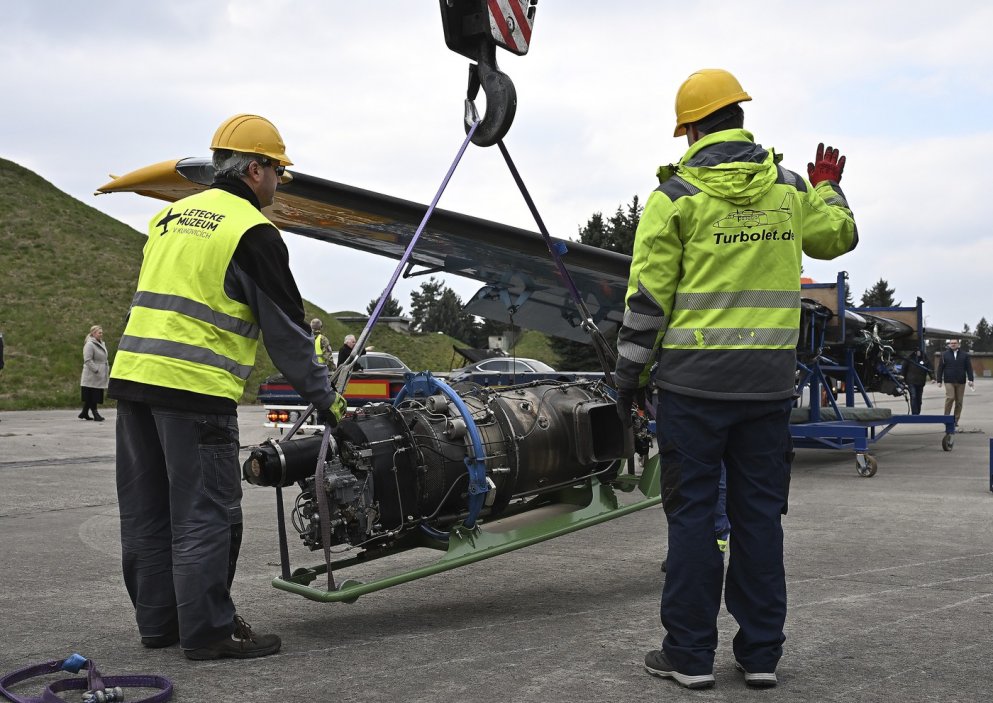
x=349 y=338
x=234 y=164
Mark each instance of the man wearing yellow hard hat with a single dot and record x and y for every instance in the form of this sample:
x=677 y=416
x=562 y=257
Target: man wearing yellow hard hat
x=714 y=298
x=215 y=274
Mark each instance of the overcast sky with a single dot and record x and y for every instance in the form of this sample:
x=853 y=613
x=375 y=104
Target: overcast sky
x=366 y=93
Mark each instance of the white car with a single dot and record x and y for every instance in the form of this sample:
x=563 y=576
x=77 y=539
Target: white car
x=378 y=361
x=511 y=366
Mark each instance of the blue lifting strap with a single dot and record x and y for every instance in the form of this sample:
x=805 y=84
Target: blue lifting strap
x=423 y=385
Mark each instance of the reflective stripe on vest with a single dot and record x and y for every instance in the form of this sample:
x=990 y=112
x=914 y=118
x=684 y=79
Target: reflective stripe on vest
x=318 y=351
x=738 y=337
x=183 y=331
x=725 y=319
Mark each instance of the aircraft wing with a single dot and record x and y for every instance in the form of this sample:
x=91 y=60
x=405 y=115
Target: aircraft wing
x=513 y=263
x=937 y=333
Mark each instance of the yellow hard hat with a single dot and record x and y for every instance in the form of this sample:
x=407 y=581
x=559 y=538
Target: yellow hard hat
x=251 y=134
x=704 y=93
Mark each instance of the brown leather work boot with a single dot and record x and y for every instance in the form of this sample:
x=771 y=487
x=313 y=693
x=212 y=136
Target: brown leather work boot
x=243 y=643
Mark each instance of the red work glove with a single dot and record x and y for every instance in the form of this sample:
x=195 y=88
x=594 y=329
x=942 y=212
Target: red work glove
x=827 y=165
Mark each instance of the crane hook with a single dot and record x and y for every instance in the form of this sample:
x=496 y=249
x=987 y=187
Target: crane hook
x=475 y=28
x=501 y=99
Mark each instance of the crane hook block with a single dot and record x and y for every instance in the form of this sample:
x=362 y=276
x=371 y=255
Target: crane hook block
x=474 y=28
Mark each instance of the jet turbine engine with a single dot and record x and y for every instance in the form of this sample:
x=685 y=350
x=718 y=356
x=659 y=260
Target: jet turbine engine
x=439 y=457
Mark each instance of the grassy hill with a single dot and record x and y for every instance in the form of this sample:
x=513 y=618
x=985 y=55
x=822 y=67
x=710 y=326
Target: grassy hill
x=65 y=266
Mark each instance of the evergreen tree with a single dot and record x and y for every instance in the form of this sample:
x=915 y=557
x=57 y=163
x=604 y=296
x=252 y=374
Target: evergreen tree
x=616 y=234
x=595 y=232
x=849 y=300
x=437 y=308
x=966 y=343
x=984 y=332
x=422 y=303
x=580 y=356
x=392 y=308
x=879 y=296
x=453 y=321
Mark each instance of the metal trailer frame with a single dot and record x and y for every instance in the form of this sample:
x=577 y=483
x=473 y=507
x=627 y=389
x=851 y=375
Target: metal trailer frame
x=569 y=509
x=846 y=426
x=580 y=504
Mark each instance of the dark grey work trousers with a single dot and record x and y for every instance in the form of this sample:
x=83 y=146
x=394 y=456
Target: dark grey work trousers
x=179 y=490
x=752 y=440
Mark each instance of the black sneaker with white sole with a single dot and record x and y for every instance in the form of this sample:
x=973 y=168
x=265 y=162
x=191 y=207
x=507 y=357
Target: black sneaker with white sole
x=657 y=664
x=757 y=679
x=243 y=643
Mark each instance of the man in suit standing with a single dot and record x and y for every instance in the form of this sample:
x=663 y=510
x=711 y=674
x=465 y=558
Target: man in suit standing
x=954 y=367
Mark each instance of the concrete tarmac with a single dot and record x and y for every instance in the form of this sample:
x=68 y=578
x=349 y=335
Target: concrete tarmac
x=890 y=584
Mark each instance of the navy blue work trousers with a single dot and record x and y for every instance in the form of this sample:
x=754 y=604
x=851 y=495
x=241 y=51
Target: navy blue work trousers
x=752 y=439
x=179 y=490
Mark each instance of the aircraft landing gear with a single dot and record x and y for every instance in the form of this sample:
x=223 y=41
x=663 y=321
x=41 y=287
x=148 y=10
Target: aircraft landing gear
x=947 y=442
x=866 y=465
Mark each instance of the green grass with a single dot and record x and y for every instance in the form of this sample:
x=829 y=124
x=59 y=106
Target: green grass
x=65 y=266
x=535 y=345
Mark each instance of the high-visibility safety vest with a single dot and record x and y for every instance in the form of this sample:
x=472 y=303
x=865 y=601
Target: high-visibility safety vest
x=714 y=290
x=183 y=331
x=319 y=349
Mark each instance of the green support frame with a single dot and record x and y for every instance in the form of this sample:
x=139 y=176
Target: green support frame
x=578 y=507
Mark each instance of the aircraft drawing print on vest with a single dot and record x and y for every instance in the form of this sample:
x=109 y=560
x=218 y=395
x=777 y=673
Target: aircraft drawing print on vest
x=164 y=222
x=192 y=221
x=757 y=218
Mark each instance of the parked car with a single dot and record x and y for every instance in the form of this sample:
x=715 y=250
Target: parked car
x=378 y=377
x=378 y=361
x=505 y=365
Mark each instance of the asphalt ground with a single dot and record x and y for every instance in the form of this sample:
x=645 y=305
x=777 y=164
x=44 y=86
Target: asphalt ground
x=890 y=584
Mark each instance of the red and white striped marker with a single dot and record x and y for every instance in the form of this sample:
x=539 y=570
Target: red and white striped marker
x=511 y=22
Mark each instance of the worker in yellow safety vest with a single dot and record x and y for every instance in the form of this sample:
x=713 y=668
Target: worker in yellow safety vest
x=322 y=345
x=714 y=298
x=215 y=274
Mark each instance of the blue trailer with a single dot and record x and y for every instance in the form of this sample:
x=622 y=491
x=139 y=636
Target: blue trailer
x=845 y=353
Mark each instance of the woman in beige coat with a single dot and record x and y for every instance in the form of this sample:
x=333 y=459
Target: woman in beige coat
x=96 y=373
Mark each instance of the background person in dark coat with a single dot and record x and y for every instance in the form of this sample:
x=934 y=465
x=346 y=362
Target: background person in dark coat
x=915 y=373
x=954 y=367
x=346 y=349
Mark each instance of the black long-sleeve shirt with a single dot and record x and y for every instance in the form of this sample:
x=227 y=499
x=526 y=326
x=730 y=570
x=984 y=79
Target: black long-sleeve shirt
x=258 y=276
